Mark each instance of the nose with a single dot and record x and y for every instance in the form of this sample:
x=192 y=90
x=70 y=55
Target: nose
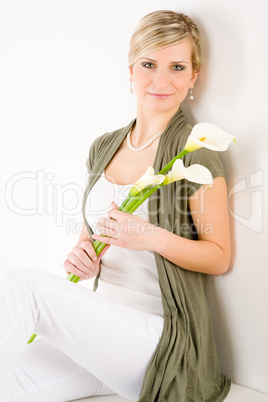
x=161 y=79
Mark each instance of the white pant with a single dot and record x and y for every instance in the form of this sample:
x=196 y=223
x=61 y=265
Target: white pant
x=87 y=341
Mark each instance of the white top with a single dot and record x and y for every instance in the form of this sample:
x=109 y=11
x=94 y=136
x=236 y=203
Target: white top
x=128 y=276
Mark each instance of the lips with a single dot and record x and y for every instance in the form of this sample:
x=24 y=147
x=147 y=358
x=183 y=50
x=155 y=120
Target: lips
x=159 y=96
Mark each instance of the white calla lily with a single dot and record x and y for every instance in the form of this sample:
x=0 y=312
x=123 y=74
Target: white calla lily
x=176 y=173
x=195 y=173
x=199 y=174
x=208 y=136
x=148 y=179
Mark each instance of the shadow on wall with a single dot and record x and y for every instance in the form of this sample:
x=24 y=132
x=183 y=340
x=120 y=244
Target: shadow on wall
x=216 y=95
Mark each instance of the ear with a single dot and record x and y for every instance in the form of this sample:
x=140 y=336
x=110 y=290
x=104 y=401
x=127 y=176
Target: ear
x=194 y=78
x=131 y=78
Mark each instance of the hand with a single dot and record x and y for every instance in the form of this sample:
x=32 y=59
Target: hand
x=127 y=231
x=83 y=261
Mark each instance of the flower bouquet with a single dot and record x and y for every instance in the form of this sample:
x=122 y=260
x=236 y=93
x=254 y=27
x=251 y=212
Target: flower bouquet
x=202 y=135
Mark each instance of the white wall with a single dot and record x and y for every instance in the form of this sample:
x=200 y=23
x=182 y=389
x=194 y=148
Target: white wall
x=64 y=81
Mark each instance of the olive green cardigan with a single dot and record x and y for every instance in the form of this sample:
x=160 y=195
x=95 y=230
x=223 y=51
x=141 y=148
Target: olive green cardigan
x=184 y=367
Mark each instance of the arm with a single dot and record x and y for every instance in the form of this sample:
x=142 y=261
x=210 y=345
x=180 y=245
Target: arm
x=83 y=261
x=209 y=254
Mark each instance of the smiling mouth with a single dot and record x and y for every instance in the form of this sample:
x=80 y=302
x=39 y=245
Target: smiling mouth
x=159 y=96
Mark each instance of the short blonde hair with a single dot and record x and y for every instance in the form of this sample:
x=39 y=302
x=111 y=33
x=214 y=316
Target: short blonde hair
x=161 y=29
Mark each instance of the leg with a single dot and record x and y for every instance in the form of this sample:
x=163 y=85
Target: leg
x=111 y=341
x=43 y=373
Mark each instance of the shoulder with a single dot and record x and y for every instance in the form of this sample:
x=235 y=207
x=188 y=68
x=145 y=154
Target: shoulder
x=210 y=159
x=109 y=138
x=104 y=142
x=100 y=142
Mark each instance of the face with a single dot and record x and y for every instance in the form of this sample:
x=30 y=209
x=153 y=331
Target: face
x=162 y=79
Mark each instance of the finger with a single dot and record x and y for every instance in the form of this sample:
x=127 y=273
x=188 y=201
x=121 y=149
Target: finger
x=67 y=266
x=107 y=231
x=71 y=268
x=107 y=222
x=87 y=246
x=105 y=239
x=74 y=260
x=115 y=214
x=82 y=256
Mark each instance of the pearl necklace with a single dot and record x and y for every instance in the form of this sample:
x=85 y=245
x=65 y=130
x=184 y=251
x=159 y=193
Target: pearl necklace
x=145 y=145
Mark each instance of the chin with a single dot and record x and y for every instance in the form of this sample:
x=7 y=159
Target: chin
x=162 y=108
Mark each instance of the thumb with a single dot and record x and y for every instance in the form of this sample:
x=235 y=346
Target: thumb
x=114 y=206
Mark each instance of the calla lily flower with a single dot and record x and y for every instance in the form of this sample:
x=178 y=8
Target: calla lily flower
x=195 y=173
x=148 y=179
x=208 y=136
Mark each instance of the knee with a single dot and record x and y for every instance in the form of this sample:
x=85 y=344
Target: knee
x=17 y=283
x=16 y=275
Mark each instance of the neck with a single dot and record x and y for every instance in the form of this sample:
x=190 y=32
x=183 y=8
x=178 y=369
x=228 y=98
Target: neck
x=150 y=123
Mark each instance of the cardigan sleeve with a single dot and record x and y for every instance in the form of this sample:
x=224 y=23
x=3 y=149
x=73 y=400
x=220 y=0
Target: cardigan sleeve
x=91 y=156
x=98 y=149
x=210 y=159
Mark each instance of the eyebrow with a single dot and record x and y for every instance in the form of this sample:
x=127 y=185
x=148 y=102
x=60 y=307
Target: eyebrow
x=173 y=62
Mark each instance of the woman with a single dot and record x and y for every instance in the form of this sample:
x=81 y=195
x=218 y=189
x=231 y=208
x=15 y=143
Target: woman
x=145 y=334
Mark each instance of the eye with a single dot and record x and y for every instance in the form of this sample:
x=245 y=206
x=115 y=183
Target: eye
x=178 y=67
x=148 y=65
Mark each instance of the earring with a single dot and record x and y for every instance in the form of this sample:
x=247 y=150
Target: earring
x=191 y=97
x=131 y=87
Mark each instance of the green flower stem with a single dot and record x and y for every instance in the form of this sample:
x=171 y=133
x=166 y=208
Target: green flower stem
x=140 y=200
x=125 y=207
x=75 y=279
x=133 y=201
x=99 y=246
x=70 y=277
x=171 y=163
x=124 y=203
x=33 y=336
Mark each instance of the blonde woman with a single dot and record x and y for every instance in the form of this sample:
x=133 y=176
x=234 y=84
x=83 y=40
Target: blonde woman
x=145 y=333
